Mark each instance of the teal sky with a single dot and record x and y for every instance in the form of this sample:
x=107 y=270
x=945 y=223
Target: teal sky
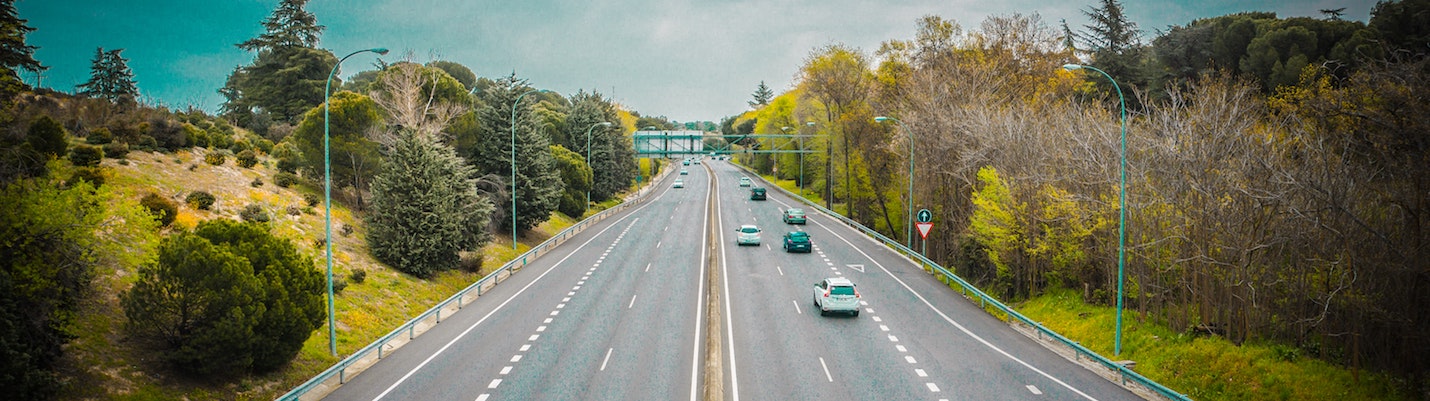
x=685 y=59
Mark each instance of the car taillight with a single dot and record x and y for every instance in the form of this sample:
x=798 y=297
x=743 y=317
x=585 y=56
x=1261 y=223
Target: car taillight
x=856 y=293
x=826 y=293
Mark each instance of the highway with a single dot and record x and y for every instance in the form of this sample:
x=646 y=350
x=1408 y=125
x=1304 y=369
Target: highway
x=616 y=313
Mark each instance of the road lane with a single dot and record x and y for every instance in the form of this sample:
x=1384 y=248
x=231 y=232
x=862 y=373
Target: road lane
x=546 y=332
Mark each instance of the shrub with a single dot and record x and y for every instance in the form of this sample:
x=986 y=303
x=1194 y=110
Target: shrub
x=358 y=276
x=86 y=155
x=163 y=208
x=288 y=166
x=339 y=286
x=99 y=136
x=257 y=182
x=215 y=158
x=264 y=145
x=47 y=137
x=254 y=213
x=345 y=230
x=293 y=210
x=285 y=180
x=193 y=167
x=93 y=175
x=228 y=297
x=200 y=200
x=239 y=146
x=146 y=142
x=117 y=150
x=169 y=134
x=246 y=158
x=311 y=199
x=196 y=136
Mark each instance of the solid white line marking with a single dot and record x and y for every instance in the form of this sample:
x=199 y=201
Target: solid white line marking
x=1034 y=389
x=633 y=302
x=608 y=358
x=505 y=369
x=950 y=320
x=826 y=370
x=932 y=387
x=910 y=359
x=796 y=307
x=495 y=383
x=525 y=347
x=921 y=373
x=483 y=397
x=782 y=271
x=516 y=358
x=901 y=348
x=494 y=311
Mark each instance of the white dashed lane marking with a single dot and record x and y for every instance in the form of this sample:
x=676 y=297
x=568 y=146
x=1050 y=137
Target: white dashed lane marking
x=826 y=370
x=1034 y=390
x=608 y=358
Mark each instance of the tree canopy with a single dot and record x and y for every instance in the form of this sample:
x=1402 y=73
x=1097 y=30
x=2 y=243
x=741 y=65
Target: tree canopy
x=110 y=77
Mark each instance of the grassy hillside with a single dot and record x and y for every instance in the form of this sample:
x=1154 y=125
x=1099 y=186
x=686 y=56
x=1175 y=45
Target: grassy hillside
x=104 y=363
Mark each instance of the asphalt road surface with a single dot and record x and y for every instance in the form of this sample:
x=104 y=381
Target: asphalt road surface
x=617 y=313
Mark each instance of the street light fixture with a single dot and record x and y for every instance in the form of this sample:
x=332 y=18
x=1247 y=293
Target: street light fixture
x=328 y=198
x=513 y=161
x=909 y=218
x=588 y=155
x=1122 y=205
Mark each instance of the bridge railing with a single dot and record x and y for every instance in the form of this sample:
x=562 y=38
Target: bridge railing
x=329 y=380
x=1128 y=376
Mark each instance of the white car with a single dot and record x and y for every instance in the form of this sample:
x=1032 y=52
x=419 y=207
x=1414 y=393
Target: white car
x=679 y=183
x=836 y=294
x=748 y=235
x=744 y=181
x=683 y=172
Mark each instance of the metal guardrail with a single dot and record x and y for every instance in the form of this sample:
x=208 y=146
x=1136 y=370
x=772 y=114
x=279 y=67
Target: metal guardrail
x=984 y=300
x=363 y=358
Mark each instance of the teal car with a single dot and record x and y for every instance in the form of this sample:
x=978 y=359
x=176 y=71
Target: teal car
x=798 y=241
x=793 y=216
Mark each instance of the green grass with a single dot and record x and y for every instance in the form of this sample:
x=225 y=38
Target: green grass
x=1205 y=368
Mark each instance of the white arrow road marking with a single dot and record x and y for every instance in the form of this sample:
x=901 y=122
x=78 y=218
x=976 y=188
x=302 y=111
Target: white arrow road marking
x=860 y=268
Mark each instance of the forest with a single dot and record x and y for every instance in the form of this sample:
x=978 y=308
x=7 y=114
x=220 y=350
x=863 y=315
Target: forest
x=1276 y=168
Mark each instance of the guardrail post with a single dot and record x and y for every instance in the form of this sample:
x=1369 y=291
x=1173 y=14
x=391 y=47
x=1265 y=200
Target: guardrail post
x=439 y=313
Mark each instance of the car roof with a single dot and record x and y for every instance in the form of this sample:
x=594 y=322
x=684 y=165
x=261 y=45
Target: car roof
x=839 y=281
x=797 y=234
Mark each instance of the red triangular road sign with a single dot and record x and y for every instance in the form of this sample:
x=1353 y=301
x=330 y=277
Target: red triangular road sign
x=924 y=229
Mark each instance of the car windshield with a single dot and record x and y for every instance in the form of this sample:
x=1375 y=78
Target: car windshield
x=841 y=290
x=749 y=230
x=796 y=212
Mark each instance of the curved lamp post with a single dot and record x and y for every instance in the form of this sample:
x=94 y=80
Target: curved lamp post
x=1121 y=208
x=513 y=162
x=328 y=198
x=908 y=218
x=588 y=155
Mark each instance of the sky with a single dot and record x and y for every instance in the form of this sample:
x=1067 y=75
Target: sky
x=688 y=60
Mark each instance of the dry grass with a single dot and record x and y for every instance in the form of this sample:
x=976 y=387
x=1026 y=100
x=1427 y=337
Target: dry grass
x=104 y=363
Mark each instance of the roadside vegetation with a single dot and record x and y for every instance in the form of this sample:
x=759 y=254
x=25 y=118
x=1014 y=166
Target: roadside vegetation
x=1274 y=183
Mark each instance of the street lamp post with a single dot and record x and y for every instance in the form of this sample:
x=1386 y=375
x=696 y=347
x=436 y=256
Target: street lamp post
x=328 y=198
x=908 y=218
x=1121 y=205
x=513 y=162
x=588 y=155
x=801 y=160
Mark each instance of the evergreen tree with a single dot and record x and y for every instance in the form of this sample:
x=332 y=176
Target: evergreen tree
x=288 y=75
x=289 y=26
x=47 y=137
x=612 y=153
x=1116 y=49
x=14 y=53
x=762 y=95
x=110 y=77
x=538 y=186
x=425 y=207
x=575 y=179
x=352 y=155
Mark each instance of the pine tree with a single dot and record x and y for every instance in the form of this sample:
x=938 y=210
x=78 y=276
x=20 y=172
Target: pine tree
x=289 y=26
x=14 y=53
x=538 y=187
x=425 y=207
x=1113 y=41
x=612 y=153
x=110 y=77
x=762 y=95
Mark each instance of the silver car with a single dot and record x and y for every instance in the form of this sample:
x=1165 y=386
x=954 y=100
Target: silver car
x=836 y=294
x=748 y=235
